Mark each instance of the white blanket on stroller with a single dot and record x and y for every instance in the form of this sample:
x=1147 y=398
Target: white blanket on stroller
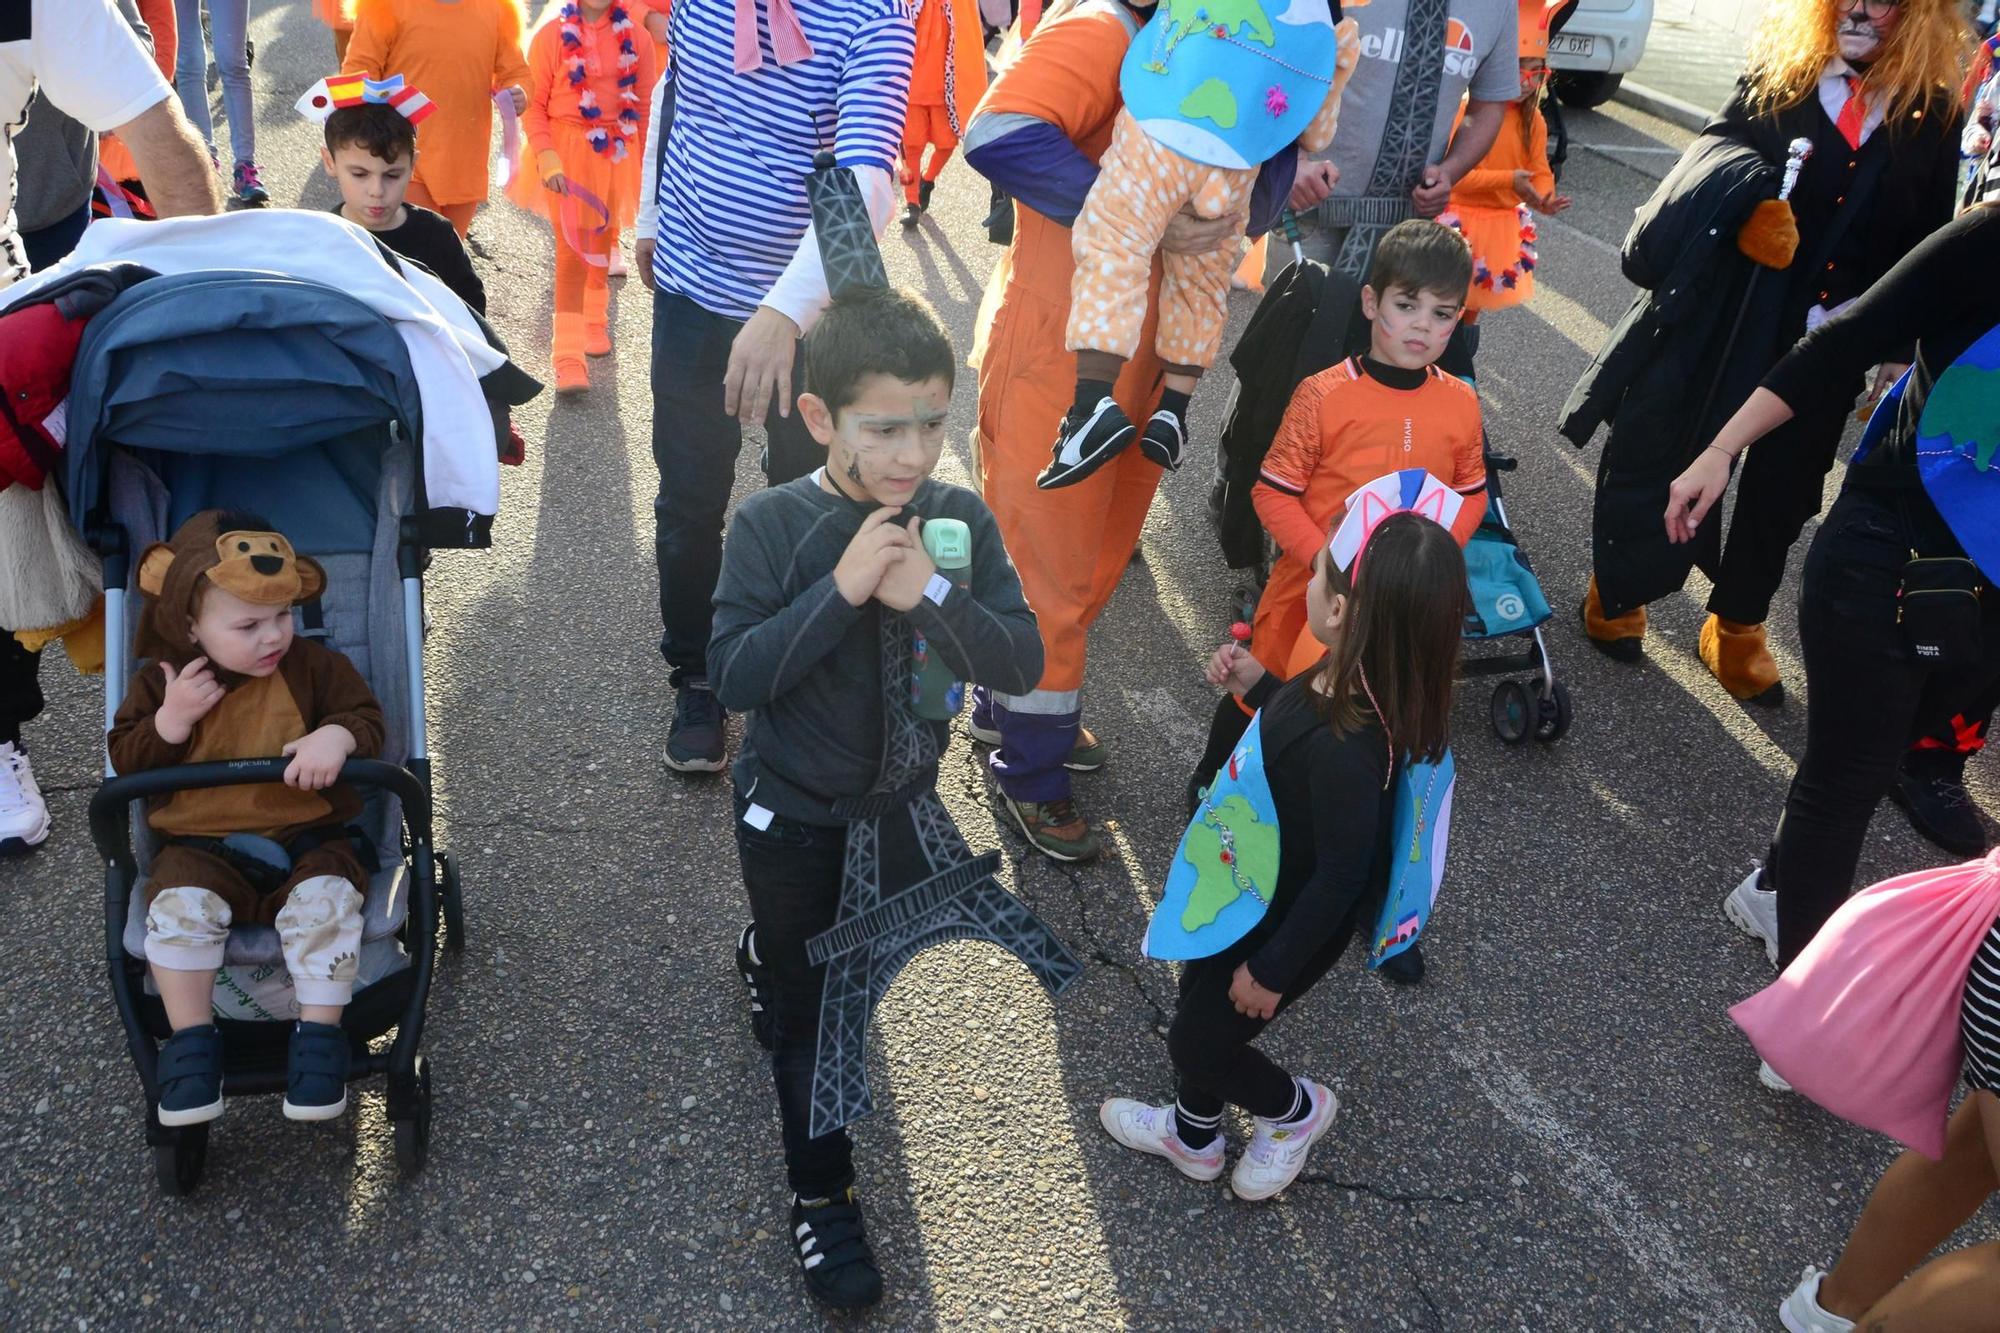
x=448 y=351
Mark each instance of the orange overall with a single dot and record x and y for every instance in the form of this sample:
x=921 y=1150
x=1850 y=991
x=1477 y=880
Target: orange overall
x=1071 y=545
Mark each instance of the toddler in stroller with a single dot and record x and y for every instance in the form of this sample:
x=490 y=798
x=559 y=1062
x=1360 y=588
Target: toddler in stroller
x=228 y=680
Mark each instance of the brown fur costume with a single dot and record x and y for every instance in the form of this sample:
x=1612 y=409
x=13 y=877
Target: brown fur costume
x=257 y=717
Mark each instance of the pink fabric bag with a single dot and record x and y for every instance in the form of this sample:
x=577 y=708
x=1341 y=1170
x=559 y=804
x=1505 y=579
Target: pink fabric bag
x=1866 y=1021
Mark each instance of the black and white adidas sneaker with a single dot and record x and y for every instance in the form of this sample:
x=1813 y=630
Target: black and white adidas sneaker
x=762 y=1025
x=1087 y=444
x=833 y=1251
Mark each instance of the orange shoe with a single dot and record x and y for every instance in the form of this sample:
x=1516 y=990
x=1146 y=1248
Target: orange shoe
x=572 y=375
x=1621 y=638
x=1738 y=657
x=597 y=340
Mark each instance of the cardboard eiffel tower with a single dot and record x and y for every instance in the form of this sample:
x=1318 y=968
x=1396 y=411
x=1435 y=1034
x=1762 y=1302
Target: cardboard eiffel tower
x=909 y=880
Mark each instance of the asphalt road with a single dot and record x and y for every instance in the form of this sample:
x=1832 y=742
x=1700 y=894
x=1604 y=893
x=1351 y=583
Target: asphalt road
x=1560 y=1130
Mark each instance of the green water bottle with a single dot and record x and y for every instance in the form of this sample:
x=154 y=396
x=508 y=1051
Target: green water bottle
x=934 y=692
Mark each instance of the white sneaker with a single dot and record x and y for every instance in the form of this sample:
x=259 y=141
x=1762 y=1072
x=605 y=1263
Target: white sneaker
x=1277 y=1153
x=24 y=815
x=1771 y=1078
x=1145 y=1128
x=617 y=267
x=1801 y=1313
x=1754 y=911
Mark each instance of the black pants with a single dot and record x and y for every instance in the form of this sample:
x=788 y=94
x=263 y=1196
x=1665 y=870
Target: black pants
x=791 y=872
x=20 y=687
x=1867 y=694
x=695 y=444
x=1943 y=749
x=53 y=243
x=1780 y=488
x=1210 y=1043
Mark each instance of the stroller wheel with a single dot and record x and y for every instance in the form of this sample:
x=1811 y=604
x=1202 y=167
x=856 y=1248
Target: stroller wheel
x=453 y=903
x=178 y=1161
x=1514 y=713
x=413 y=1131
x=1552 y=712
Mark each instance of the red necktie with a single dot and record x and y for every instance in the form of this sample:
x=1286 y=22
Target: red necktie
x=1852 y=113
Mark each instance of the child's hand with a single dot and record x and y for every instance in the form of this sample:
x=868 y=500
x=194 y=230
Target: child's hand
x=1233 y=668
x=902 y=587
x=878 y=546
x=656 y=25
x=317 y=757
x=1251 y=1000
x=192 y=692
x=519 y=97
x=1548 y=204
x=556 y=184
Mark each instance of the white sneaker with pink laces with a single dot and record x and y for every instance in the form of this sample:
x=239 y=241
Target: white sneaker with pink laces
x=1151 y=1129
x=1277 y=1151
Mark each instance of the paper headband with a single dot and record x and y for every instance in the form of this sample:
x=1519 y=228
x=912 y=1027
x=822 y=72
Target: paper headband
x=345 y=90
x=1411 y=491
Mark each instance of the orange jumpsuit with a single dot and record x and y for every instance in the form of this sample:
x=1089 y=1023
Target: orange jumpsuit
x=555 y=132
x=1070 y=545
x=457 y=53
x=1341 y=431
x=338 y=16
x=946 y=83
x=1497 y=225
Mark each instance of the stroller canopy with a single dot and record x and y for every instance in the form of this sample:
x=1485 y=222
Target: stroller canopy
x=291 y=386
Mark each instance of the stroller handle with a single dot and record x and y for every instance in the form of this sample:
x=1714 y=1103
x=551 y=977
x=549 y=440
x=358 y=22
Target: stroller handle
x=110 y=826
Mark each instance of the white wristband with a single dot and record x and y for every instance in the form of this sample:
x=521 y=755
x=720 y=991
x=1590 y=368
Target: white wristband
x=937 y=589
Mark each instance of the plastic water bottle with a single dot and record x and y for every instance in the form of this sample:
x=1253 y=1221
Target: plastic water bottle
x=934 y=692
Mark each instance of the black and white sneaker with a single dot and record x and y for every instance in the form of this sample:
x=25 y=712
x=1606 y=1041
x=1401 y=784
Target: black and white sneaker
x=1085 y=445
x=1941 y=809
x=695 y=741
x=1162 y=439
x=762 y=1027
x=833 y=1251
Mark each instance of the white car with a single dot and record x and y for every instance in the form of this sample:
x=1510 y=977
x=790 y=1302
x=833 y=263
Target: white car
x=1598 y=43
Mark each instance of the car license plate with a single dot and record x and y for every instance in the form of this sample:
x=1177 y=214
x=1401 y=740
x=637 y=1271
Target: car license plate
x=1566 y=44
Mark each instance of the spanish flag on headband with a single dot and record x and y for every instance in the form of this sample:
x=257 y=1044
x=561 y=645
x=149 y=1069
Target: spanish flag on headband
x=345 y=90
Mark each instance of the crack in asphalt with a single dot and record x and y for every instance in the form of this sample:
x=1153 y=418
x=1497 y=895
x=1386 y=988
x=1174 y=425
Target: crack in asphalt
x=1391 y=1196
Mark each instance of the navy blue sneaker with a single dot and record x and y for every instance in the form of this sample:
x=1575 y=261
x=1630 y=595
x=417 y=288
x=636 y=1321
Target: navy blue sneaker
x=833 y=1251
x=316 y=1072
x=191 y=1076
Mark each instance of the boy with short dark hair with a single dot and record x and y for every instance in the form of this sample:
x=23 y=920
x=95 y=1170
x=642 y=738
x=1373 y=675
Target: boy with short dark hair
x=825 y=587
x=1384 y=411
x=370 y=152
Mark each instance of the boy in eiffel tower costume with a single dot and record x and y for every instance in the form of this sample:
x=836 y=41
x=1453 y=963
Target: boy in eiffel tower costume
x=826 y=600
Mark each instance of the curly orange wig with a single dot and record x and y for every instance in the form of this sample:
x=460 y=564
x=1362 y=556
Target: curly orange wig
x=1925 y=55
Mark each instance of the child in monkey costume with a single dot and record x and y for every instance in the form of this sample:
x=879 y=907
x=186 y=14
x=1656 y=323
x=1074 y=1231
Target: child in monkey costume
x=228 y=681
x=1211 y=92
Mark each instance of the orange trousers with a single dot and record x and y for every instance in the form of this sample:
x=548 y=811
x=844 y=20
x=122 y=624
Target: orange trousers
x=582 y=302
x=459 y=215
x=925 y=127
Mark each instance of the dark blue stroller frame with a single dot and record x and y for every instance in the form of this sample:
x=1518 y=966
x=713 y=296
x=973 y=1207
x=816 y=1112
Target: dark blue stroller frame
x=261 y=392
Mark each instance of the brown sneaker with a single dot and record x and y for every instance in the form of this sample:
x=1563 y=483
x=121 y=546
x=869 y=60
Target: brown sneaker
x=1054 y=828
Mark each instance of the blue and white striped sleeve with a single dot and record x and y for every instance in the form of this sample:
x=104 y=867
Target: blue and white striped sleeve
x=874 y=93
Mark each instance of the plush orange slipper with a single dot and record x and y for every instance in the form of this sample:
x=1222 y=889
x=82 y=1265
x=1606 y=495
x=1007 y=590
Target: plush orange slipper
x=1622 y=638
x=597 y=340
x=566 y=353
x=1738 y=657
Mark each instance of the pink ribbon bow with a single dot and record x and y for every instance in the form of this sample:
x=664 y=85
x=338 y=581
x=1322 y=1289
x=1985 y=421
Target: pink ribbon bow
x=788 y=39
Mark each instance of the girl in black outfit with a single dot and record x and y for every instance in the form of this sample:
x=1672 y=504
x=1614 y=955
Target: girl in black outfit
x=1869 y=693
x=1330 y=739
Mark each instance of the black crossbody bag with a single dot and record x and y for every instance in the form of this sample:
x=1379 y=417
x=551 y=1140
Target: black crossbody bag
x=1939 y=608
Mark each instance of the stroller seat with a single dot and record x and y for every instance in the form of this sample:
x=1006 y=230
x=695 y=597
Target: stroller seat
x=385 y=904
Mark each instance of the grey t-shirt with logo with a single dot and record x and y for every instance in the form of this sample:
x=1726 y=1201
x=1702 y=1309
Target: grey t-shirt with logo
x=1481 y=56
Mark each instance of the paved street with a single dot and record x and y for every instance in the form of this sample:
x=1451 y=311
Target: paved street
x=1559 y=1130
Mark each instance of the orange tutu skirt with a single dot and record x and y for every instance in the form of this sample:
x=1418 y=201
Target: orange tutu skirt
x=617 y=184
x=1502 y=241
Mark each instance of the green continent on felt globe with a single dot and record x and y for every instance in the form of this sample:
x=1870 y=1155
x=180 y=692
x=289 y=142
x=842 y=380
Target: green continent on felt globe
x=1961 y=409
x=1214 y=886
x=1212 y=100
x=1233 y=16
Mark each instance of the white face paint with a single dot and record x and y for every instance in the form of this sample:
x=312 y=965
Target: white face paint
x=1864 y=29
x=888 y=439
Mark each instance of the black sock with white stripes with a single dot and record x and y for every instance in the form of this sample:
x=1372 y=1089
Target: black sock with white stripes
x=1196 y=1131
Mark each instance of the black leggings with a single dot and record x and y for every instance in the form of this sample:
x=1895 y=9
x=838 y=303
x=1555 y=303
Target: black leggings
x=1867 y=694
x=1210 y=1043
x=20 y=687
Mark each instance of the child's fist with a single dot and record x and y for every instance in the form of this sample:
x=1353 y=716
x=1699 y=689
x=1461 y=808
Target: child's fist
x=877 y=546
x=903 y=584
x=192 y=692
x=317 y=757
x=519 y=97
x=1233 y=668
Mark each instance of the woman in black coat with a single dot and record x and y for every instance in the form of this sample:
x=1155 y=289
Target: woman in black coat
x=1744 y=276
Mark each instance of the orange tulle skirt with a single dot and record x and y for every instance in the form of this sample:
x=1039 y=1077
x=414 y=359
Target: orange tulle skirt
x=617 y=184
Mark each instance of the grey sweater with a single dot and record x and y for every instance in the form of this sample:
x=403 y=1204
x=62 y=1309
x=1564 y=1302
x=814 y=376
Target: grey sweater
x=788 y=650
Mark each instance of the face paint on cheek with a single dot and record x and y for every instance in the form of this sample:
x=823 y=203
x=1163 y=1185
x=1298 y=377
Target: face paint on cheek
x=854 y=469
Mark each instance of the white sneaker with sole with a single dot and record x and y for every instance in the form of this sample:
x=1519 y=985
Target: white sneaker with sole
x=1753 y=910
x=1771 y=1078
x=1801 y=1313
x=24 y=815
x=1277 y=1152
x=1150 y=1129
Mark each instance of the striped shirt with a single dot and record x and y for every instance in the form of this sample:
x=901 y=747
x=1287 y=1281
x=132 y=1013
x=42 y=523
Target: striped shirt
x=732 y=199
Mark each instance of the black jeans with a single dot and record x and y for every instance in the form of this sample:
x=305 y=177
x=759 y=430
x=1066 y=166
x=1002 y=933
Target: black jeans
x=695 y=444
x=1867 y=694
x=791 y=872
x=54 y=242
x=20 y=687
x=1210 y=1043
x=1780 y=488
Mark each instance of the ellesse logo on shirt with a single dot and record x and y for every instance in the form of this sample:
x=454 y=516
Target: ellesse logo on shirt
x=1460 y=59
